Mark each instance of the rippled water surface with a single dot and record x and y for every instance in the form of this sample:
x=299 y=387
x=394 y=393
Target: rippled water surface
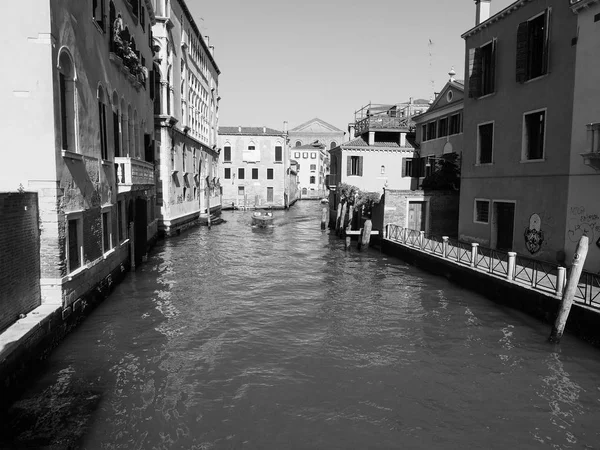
x=235 y=338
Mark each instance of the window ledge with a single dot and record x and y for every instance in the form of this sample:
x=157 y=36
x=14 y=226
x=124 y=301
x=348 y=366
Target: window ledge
x=109 y=253
x=491 y=94
x=481 y=223
x=528 y=161
x=484 y=164
x=71 y=155
x=98 y=27
x=107 y=162
x=536 y=78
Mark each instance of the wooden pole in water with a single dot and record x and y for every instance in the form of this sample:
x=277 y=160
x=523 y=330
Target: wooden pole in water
x=324 y=216
x=569 y=293
x=208 y=207
x=366 y=235
x=342 y=218
x=337 y=217
x=349 y=226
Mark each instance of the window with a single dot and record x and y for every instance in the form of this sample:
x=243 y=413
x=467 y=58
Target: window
x=241 y=190
x=312 y=180
x=74 y=244
x=532 y=47
x=296 y=154
x=66 y=87
x=227 y=174
x=333 y=144
x=455 y=124
x=278 y=153
x=355 y=164
x=443 y=127
x=269 y=174
x=251 y=148
x=135 y=7
x=423 y=132
x=382 y=170
x=485 y=143
x=313 y=155
x=227 y=153
x=431 y=131
x=143 y=18
x=482 y=70
x=298 y=143
x=414 y=167
x=106 y=232
x=98 y=13
x=482 y=211
x=313 y=167
x=305 y=155
x=269 y=194
x=120 y=216
x=255 y=173
x=241 y=173
x=534 y=126
x=102 y=123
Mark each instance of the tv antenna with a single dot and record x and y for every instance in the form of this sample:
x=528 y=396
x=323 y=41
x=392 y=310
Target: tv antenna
x=430 y=47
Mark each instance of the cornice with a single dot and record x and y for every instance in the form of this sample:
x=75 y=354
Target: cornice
x=579 y=5
x=496 y=17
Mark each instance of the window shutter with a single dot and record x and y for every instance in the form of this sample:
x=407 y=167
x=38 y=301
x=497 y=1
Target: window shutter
x=493 y=68
x=404 y=167
x=360 y=166
x=546 y=60
x=474 y=72
x=152 y=83
x=348 y=165
x=522 y=51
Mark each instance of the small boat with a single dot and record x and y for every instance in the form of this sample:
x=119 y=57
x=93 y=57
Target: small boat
x=262 y=220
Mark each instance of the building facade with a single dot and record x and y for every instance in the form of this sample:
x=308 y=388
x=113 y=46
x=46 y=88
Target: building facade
x=186 y=104
x=80 y=106
x=254 y=168
x=520 y=67
x=583 y=210
x=313 y=168
x=316 y=130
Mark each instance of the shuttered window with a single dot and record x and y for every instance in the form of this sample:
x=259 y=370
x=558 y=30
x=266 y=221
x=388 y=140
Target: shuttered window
x=227 y=153
x=482 y=70
x=532 y=56
x=278 y=154
x=355 y=166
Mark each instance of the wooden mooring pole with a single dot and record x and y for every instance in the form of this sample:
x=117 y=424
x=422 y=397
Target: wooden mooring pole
x=365 y=239
x=569 y=292
x=324 y=214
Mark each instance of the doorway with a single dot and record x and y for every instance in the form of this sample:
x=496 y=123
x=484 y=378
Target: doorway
x=417 y=214
x=140 y=229
x=504 y=214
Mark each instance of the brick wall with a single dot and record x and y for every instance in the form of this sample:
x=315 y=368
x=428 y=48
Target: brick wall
x=443 y=210
x=19 y=256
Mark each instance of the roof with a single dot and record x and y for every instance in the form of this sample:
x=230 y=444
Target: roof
x=360 y=142
x=499 y=15
x=249 y=131
x=313 y=146
x=420 y=101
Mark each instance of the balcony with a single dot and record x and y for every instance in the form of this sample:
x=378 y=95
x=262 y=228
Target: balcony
x=383 y=123
x=592 y=157
x=133 y=174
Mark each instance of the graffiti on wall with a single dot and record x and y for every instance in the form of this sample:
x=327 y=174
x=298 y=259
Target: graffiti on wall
x=534 y=236
x=583 y=223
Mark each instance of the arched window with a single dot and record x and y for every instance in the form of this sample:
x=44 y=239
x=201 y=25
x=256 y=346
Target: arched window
x=312 y=180
x=68 y=97
x=169 y=86
x=333 y=144
x=102 y=123
x=304 y=191
x=157 y=90
x=298 y=143
x=382 y=170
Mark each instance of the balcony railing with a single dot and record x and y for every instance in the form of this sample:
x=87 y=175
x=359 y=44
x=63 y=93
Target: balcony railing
x=383 y=122
x=132 y=173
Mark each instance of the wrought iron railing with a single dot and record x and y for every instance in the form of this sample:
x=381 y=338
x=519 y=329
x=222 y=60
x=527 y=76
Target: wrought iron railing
x=539 y=275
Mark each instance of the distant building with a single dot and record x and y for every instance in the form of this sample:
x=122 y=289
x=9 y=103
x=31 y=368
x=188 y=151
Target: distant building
x=254 y=165
x=439 y=131
x=316 y=130
x=186 y=96
x=313 y=170
x=372 y=160
x=517 y=162
x=79 y=106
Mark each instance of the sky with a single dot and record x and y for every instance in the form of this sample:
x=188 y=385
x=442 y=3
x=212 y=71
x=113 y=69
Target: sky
x=294 y=60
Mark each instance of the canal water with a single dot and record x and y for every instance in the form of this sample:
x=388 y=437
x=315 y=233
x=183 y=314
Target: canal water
x=242 y=338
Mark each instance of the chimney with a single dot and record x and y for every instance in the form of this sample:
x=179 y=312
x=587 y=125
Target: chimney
x=239 y=129
x=482 y=11
x=285 y=126
x=264 y=129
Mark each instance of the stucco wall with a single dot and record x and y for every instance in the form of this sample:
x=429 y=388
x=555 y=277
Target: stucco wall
x=255 y=191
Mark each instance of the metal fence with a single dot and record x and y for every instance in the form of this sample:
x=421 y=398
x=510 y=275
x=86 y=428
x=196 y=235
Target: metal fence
x=539 y=275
